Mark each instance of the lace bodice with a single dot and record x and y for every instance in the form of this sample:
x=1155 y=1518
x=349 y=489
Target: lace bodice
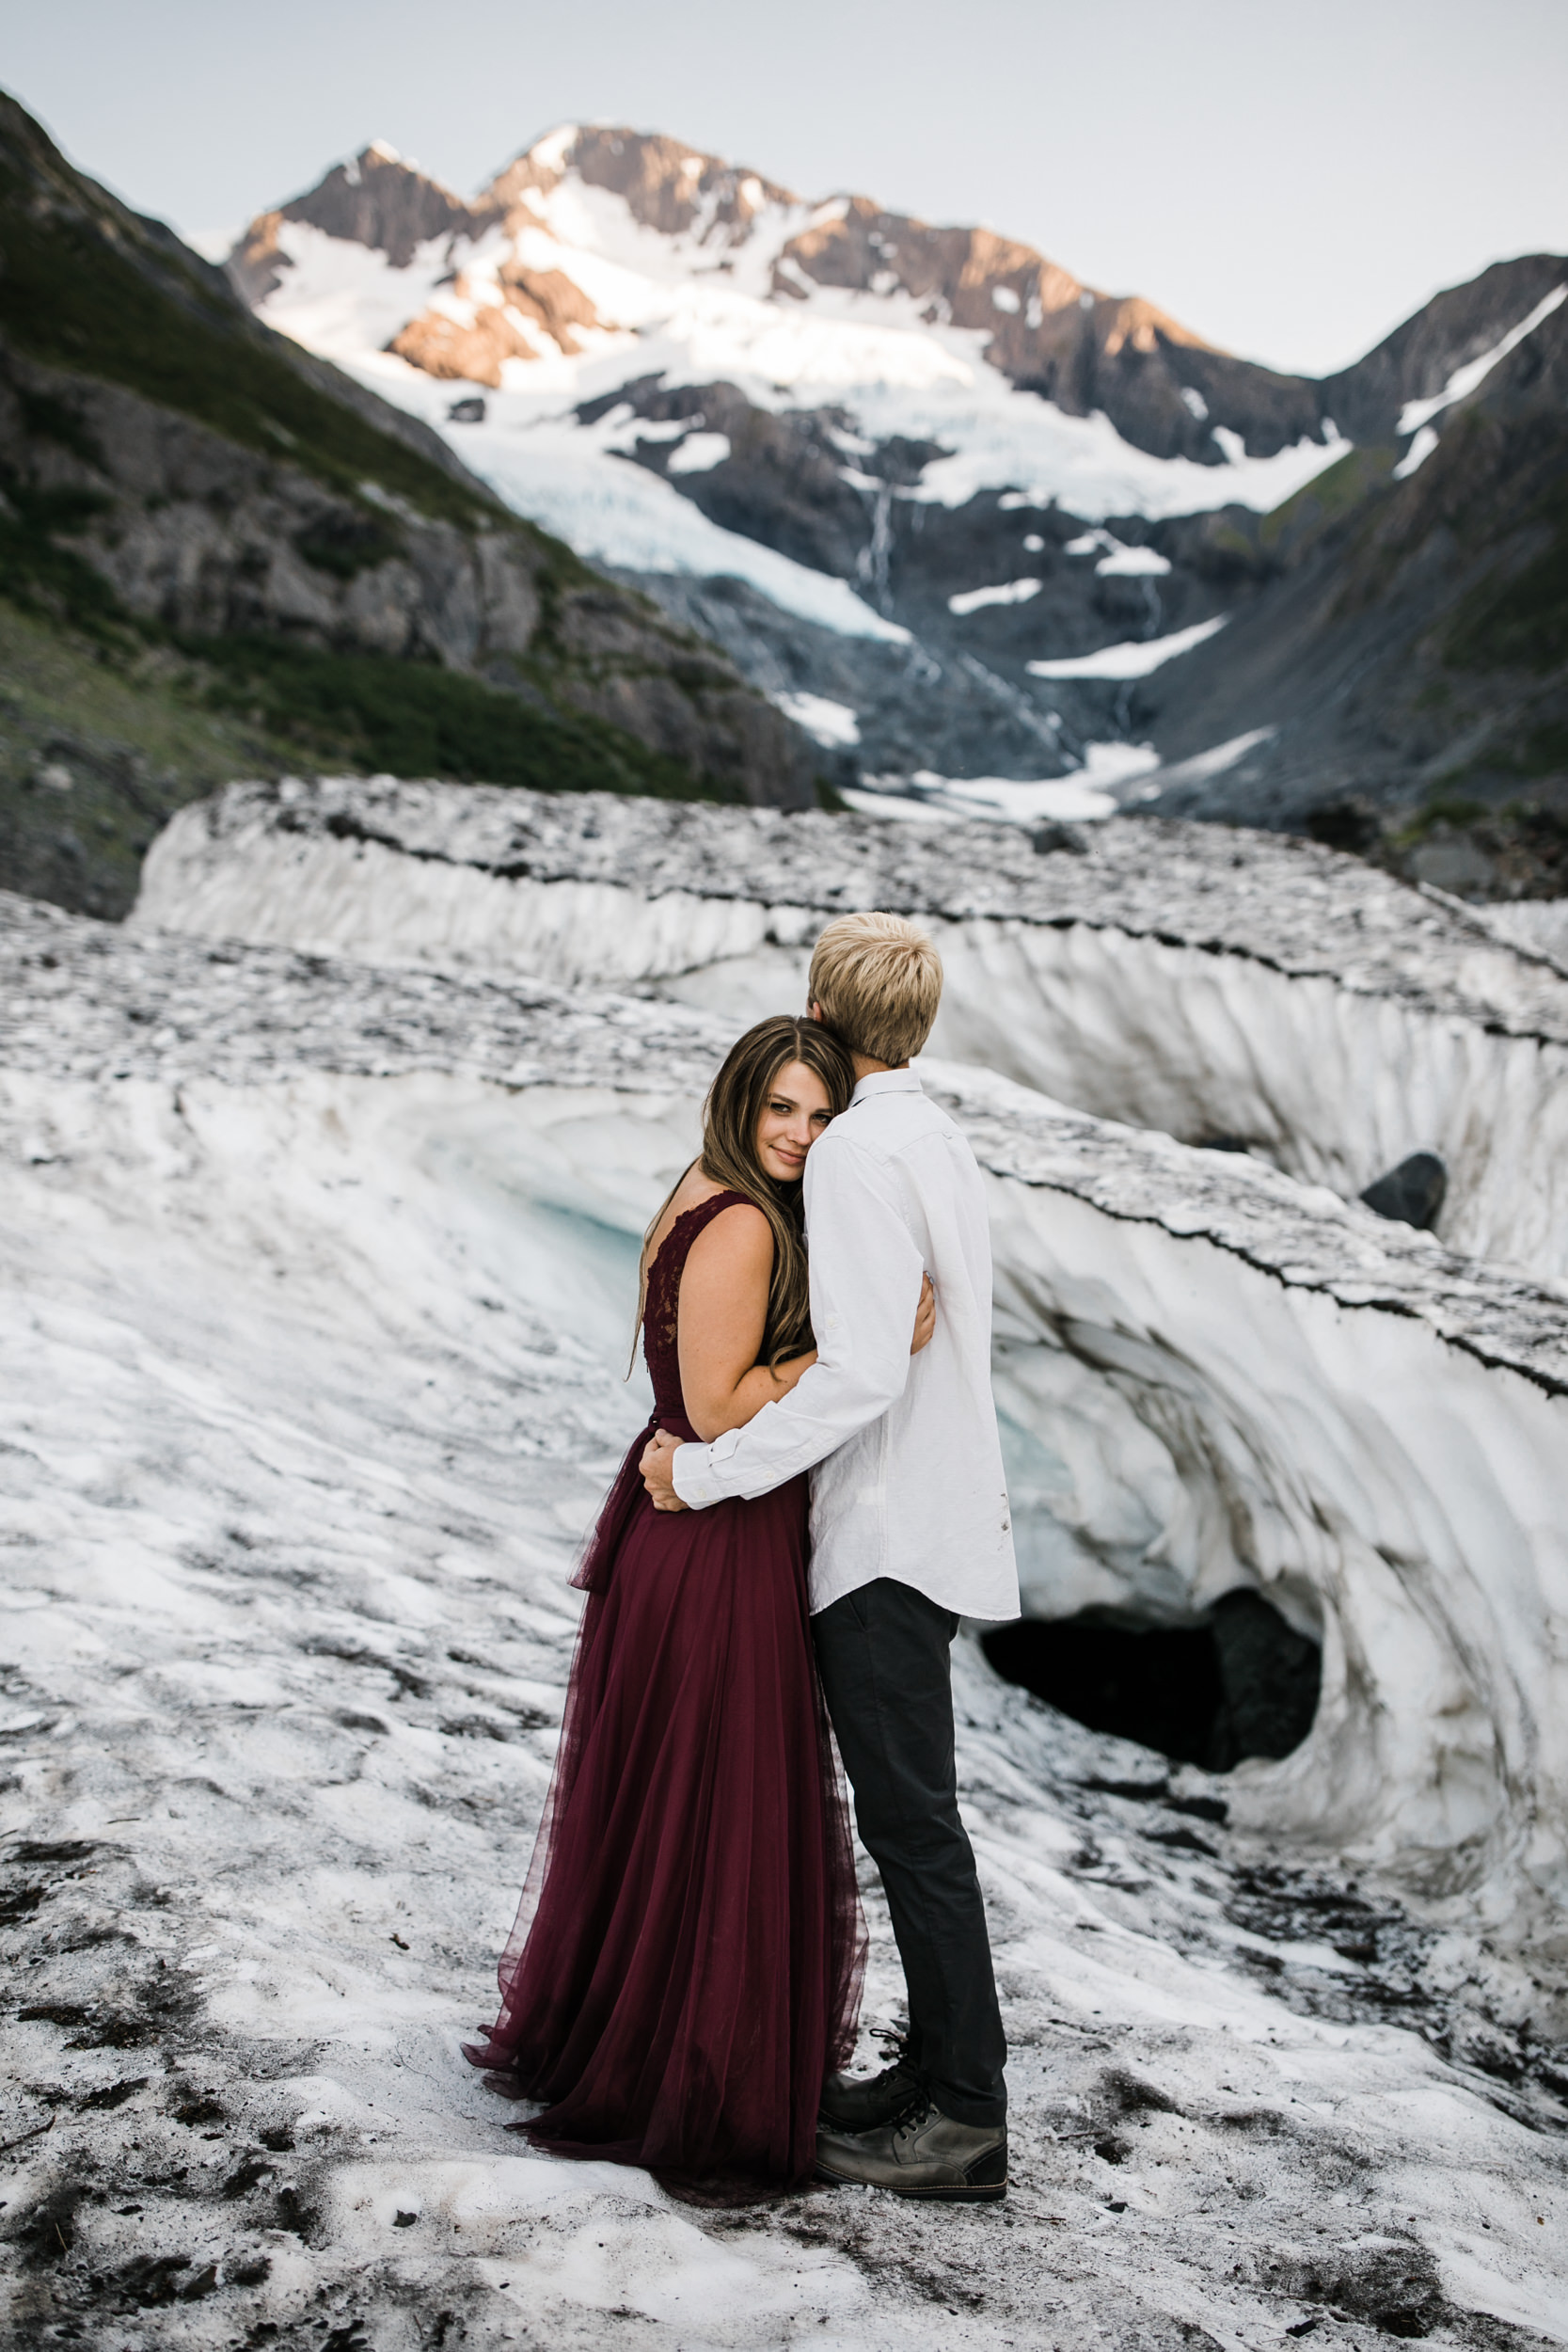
x=662 y=1312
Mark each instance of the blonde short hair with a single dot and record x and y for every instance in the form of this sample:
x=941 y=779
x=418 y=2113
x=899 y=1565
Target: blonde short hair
x=877 y=981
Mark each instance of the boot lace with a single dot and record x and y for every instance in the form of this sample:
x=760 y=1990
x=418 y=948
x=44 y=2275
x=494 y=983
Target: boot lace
x=909 y=2118
x=893 y=2043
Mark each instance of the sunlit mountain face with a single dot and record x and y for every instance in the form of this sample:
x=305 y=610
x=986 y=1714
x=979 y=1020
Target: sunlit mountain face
x=984 y=530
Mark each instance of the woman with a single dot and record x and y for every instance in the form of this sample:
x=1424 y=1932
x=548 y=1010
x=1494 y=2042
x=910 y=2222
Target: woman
x=684 y=1969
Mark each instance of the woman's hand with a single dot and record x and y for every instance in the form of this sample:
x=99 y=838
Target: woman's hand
x=659 y=1474
x=924 y=1315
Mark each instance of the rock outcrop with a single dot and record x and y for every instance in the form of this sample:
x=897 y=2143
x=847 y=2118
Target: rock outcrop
x=1406 y=657
x=377 y=201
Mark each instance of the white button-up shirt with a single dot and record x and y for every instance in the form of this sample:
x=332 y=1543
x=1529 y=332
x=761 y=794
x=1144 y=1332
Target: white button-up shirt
x=908 y=1464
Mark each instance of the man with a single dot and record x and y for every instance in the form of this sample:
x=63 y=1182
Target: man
x=911 y=1529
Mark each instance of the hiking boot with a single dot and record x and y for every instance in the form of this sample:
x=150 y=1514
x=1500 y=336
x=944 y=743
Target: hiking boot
x=851 y=2103
x=927 y=2155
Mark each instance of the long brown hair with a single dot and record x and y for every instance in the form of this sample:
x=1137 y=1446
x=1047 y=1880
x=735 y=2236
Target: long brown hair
x=734 y=1104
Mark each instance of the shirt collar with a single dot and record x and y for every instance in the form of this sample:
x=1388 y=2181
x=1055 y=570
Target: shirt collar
x=885 y=1082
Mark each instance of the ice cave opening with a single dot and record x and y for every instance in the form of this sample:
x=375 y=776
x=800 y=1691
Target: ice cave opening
x=1237 y=1681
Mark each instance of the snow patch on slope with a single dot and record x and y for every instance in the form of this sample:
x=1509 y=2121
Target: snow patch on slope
x=700 y=453
x=1197 y=768
x=1009 y=591
x=828 y=722
x=1464 y=380
x=1133 y=658
x=1414 y=457
x=1122 y=563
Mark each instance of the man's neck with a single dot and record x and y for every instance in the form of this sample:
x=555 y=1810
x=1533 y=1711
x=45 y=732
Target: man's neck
x=865 y=1066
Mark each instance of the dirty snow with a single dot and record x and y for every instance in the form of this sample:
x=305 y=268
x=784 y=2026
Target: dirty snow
x=1178 y=977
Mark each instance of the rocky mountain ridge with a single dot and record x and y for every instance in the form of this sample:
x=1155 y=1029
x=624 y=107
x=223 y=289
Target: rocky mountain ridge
x=1044 y=329
x=1408 y=644
x=1162 y=385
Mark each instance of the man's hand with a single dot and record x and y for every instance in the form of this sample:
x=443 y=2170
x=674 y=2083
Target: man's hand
x=657 y=1467
x=924 y=1315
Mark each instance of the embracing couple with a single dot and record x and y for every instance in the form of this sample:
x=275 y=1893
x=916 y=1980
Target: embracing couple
x=817 y=1500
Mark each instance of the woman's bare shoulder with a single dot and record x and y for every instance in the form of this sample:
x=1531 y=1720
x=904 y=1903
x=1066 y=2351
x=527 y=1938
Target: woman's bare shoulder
x=738 y=1239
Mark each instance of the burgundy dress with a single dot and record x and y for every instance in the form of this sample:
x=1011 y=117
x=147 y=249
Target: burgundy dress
x=686 y=1963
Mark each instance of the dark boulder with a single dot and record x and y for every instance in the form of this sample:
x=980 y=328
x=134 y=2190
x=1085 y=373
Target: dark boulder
x=1410 y=1193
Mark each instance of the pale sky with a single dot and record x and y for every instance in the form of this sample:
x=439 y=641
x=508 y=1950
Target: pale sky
x=1288 y=181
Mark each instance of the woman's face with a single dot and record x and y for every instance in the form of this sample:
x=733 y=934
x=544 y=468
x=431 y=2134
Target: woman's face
x=795 y=1112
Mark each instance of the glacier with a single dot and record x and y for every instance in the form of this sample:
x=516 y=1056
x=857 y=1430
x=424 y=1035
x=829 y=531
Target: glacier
x=1208 y=984
x=618 y=513
x=317 y=1275
x=1208 y=1380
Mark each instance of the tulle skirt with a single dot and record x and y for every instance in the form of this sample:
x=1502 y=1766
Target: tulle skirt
x=686 y=1961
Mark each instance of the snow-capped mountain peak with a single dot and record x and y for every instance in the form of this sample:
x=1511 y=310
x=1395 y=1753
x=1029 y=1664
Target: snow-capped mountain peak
x=374 y=200
x=624 y=219
x=944 y=363
x=781 y=415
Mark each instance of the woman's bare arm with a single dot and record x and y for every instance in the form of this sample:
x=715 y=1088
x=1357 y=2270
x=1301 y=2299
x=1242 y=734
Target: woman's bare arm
x=724 y=1307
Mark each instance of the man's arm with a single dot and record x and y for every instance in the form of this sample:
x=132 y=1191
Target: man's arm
x=865 y=1278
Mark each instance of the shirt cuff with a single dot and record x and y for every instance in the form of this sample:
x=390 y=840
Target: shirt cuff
x=692 y=1475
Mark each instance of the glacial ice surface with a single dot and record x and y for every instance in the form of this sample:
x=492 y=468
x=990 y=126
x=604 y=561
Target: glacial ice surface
x=1214 y=1375
x=1216 y=985
x=316 y=1277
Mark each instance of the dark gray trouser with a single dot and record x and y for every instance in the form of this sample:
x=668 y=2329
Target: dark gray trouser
x=883 y=1653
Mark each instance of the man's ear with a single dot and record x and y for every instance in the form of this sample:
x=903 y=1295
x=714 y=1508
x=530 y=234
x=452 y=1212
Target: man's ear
x=814 y=1010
